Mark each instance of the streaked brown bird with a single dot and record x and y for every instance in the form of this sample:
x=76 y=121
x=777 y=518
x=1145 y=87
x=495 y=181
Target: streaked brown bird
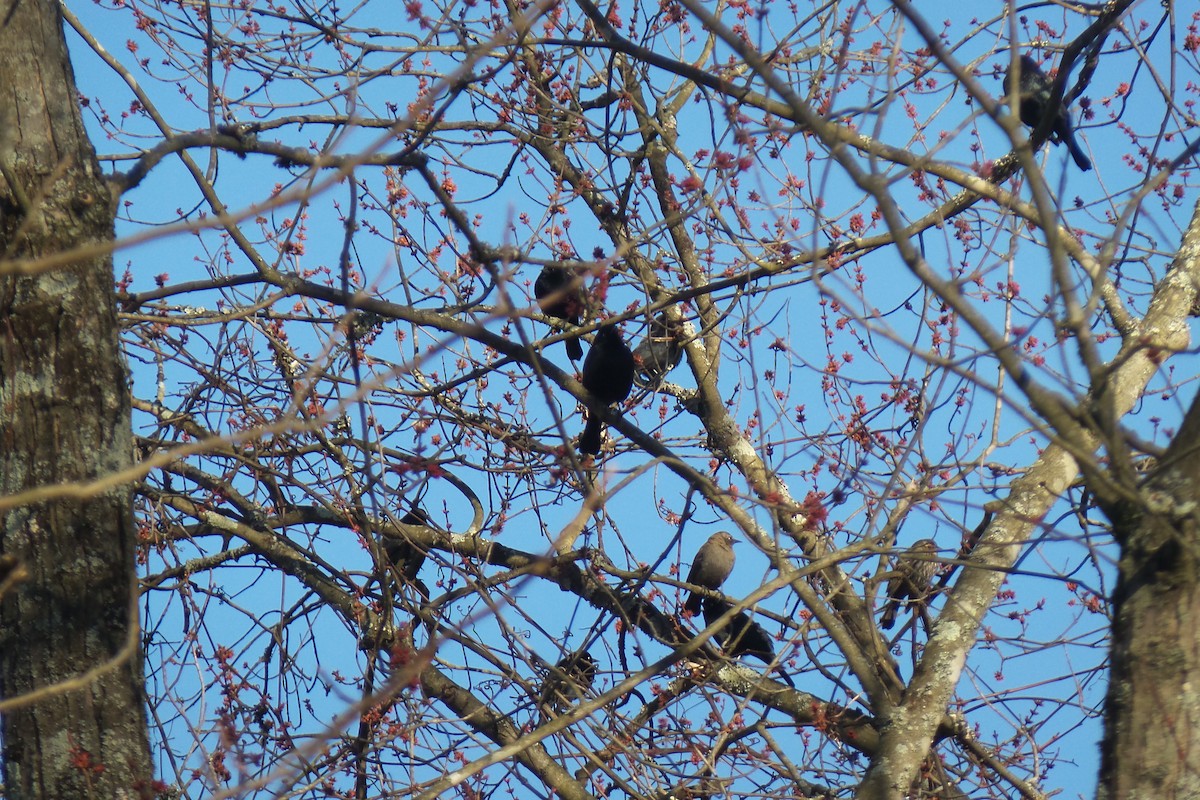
x=1034 y=92
x=557 y=300
x=659 y=353
x=912 y=579
x=608 y=377
x=711 y=566
x=570 y=680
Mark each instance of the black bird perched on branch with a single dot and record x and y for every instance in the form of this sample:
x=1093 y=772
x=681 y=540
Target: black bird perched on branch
x=608 y=377
x=404 y=556
x=912 y=578
x=741 y=636
x=659 y=353
x=711 y=566
x=570 y=680
x=1033 y=102
x=558 y=300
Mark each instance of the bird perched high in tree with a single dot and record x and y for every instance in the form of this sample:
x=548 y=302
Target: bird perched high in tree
x=659 y=353
x=912 y=579
x=557 y=299
x=741 y=636
x=608 y=377
x=570 y=680
x=711 y=566
x=404 y=556
x=1035 y=90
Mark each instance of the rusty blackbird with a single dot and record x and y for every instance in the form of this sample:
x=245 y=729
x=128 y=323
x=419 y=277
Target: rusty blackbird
x=405 y=558
x=608 y=377
x=556 y=299
x=1034 y=90
x=742 y=636
x=570 y=680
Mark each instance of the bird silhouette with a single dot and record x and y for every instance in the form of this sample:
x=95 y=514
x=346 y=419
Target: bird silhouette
x=570 y=680
x=558 y=300
x=1034 y=92
x=742 y=636
x=608 y=377
x=404 y=556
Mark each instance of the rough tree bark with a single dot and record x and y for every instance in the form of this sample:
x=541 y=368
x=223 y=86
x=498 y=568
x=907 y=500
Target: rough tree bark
x=64 y=417
x=1152 y=711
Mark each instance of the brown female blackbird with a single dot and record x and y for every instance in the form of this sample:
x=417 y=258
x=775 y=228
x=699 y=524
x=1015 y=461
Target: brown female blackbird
x=711 y=566
x=608 y=377
x=1033 y=102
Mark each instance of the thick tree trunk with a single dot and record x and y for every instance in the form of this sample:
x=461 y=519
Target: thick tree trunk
x=64 y=417
x=1152 y=714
